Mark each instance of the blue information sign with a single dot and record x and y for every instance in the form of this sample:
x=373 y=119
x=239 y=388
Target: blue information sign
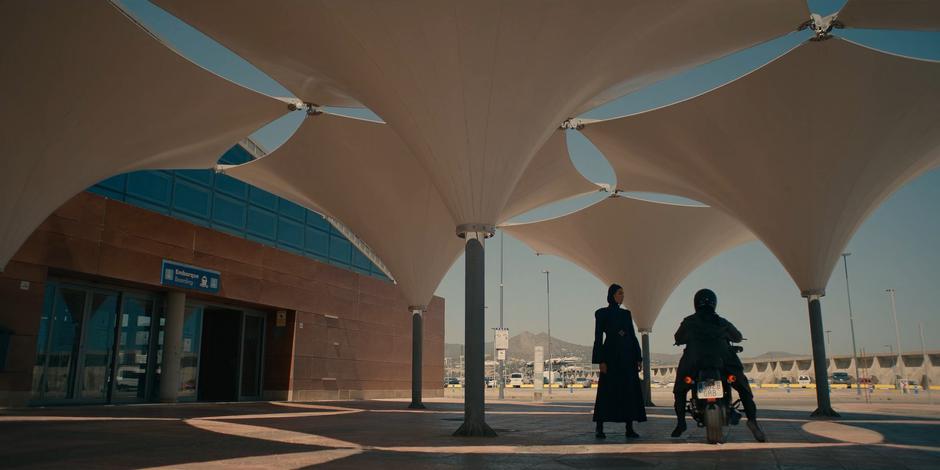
x=189 y=277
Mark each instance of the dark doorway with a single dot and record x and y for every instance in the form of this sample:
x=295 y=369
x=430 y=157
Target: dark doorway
x=218 y=371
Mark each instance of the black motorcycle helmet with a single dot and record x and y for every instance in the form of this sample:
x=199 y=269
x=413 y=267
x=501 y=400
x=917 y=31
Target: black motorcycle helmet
x=705 y=299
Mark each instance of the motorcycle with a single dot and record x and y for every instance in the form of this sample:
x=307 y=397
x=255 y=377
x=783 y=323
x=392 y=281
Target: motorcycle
x=710 y=404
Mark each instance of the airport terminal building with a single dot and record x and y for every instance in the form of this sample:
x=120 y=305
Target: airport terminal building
x=262 y=299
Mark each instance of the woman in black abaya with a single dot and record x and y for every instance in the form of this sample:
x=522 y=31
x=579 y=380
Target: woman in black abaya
x=616 y=350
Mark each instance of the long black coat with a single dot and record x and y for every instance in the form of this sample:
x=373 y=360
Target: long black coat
x=619 y=397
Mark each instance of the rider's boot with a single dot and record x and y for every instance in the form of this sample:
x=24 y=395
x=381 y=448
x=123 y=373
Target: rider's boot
x=756 y=430
x=680 y=418
x=599 y=432
x=750 y=409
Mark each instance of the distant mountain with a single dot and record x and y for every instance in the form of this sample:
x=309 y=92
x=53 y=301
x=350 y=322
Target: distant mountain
x=665 y=359
x=773 y=354
x=522 y=347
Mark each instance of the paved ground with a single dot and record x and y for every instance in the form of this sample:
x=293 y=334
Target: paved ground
x=383 y=434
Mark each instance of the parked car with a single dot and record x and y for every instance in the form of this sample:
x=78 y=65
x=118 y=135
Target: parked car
x=784 y=381
x=515 y=380
x=841 y=378
x=582 y=382
x=908 y=384
x=129 y=377
x=804 y=381
x=451 y=381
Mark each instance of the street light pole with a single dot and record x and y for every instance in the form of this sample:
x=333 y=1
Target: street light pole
x=897 y=331
x=926 y=363
x=895 y=368
x=548 y=312
x=848 y=293
x=502 y=362
x=868 y=375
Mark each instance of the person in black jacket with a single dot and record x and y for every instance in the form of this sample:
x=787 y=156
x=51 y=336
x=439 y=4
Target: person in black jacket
x=616 y=350
x=707 y=337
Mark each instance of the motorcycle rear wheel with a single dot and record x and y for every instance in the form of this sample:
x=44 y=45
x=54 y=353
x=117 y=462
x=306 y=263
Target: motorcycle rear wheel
x=713 y=428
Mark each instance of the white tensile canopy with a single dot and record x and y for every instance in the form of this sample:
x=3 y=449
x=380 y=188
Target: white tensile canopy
x=646 y=247
x=89 y=94
x=361 y=173
x=801 y=151
x=922 y=15
x=550 y=177
x=476 y=88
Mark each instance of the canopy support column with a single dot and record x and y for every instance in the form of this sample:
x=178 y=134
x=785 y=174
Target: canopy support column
x=474 y=419
x=172 y=346
x=647 y=376
x=417 y=338
x=817 y=334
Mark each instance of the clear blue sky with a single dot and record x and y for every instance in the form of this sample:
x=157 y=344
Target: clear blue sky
x=897 y=247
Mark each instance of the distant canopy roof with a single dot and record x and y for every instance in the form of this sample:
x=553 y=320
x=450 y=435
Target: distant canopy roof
x=88 y=94
x=646 y=247
x=922 y=15
x=476 y=88
x=801 y=151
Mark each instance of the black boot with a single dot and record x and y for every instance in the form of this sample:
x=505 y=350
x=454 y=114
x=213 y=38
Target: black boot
x=756 y=430
x=630 y=433
x=599 y=432
x=680 y=428
x=680 y=418
x=750 y=410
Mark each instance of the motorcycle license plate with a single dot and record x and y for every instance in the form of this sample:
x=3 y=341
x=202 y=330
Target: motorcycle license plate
x=710 y=389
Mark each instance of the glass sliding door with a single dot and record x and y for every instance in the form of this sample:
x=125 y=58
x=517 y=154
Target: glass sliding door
x=252 y=356
x=156 y=352
x=74 y=345
x=57 y=357
x=189 y=360
x=42 y=343
x=132 y=368
x=97 y=346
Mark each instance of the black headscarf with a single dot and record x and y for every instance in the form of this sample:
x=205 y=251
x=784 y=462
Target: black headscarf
x=610 y=294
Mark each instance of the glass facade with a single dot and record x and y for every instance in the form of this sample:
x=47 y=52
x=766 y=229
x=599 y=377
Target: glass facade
x=105 y=345
x=223 y=203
